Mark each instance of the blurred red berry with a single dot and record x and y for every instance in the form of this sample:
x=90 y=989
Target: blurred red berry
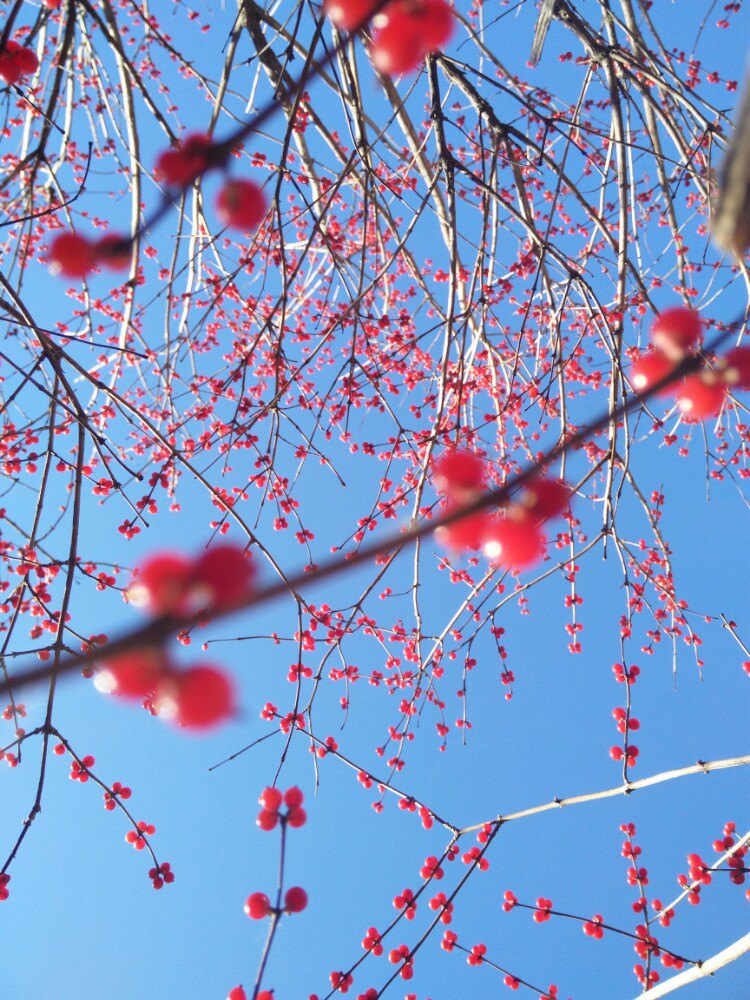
x=271 y=799
x=186 y=161
x=296 y=817
x=734 y=367
x=198 y=698
x=675 y=330
x=545 y=498
x=114 y=251
x=295 y=900
x=71 y=256
x=257 y=906
x=221 y=577
x=267 y=819
x=294 y=796
x=649 y=369
x=700 y=396
x=17 y=61
x=407 y=30
x=133 y=674
x=457 y=473
x=162 y=583
x=349 y=14
x=514 y=543
x=241 y=204
x=466 y=533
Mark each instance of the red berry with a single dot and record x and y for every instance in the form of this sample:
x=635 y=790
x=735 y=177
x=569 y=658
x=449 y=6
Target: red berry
x=27 y=61
x=10 y=71
x=241 y=205
x=271 y=799
x=267 y=819
x=648 y=370
x=457 y=473
x=296 y=816
x=349 y=14
x=700 y=395
x=133 y=674
x=675 y=330
x=257 y=906
x=735 y=367
x=295 y=900
x=294 y=796
x=398 y=46
x=52 y=4
x=198 y=698
x=221 y=577
x=187 y=160
x=162 y=583
x=237 y=994
x=516 y=543
x=71 y=255
x=438 y=24
x=466 y=533
x=407 y=30
x=545 y=498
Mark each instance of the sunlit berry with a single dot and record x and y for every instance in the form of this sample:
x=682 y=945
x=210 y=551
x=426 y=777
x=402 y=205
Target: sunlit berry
x=71 y=256
x=465 y=533
x=221 y=577
x=182 y=164
x=271 y=799
x=241 y=204
x=407 y=30
x=546 y=498
x=457 y=473
x=349 y=14
x=649 y=369
x=161 y=583
x=734 y=367
x=237 y=993
x=514 y=543
x=267 y=819
x=198 y=698
x=676 y=330
x=132 y=674
x=700 y=396
x=257 y=906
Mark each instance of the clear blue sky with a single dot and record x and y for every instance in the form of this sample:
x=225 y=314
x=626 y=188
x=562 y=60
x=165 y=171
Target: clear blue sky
x=83 y=922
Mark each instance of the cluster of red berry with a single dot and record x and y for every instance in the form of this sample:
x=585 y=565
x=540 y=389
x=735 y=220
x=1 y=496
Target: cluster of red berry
x=238 y=993
x=170 y=584
x=17 y=61
x=271 y=800
x=258 y=904
x=405 y=31
x=512 y=538
x=675 y=334
x=240 y=204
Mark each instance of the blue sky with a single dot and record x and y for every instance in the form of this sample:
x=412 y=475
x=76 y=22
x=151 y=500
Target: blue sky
x=83 y=920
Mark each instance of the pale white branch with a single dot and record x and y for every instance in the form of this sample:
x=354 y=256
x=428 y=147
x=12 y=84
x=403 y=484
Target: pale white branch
x=707 y=968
